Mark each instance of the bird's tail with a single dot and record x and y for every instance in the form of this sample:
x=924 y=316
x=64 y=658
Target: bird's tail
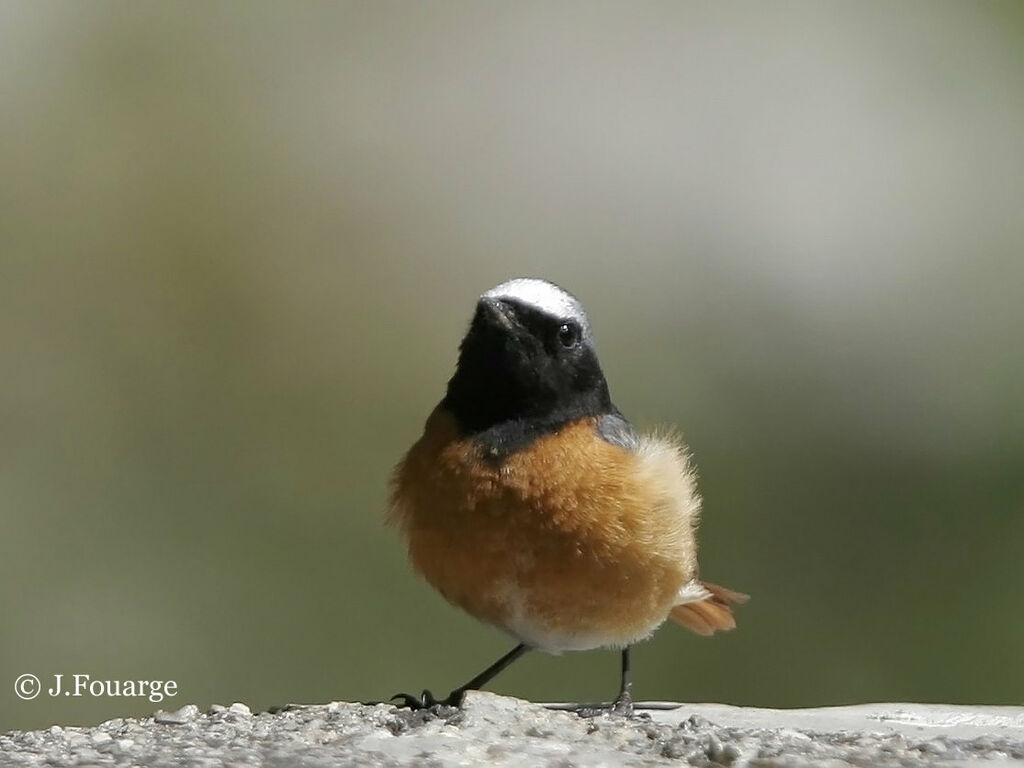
x=709 y=614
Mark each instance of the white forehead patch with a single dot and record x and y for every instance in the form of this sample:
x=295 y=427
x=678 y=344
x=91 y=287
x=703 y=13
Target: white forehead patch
x=543 y=296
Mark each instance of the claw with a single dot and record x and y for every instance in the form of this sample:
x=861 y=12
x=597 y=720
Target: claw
x=424 y=701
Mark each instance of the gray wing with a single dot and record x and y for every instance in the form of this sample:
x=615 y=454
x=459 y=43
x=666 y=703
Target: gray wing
x=615 y=429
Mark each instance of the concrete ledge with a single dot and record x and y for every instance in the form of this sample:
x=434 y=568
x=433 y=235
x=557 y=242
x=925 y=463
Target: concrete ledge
x=495 y=730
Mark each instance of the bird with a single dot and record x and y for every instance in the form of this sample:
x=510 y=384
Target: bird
x=534 y=505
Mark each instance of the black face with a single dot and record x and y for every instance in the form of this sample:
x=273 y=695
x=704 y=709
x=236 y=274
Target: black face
x=523 y=372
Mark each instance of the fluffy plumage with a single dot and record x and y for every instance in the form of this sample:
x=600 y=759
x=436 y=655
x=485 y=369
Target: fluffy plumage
x=576 y=543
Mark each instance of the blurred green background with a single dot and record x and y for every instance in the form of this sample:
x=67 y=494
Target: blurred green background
x=239 y=244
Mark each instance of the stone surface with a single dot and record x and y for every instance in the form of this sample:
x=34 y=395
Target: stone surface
x=494 y=730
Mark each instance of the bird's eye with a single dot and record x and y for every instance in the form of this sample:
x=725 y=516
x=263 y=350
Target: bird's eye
x=568 y=335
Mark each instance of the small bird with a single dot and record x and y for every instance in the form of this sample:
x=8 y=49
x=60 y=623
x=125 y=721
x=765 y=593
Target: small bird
x=532 y=503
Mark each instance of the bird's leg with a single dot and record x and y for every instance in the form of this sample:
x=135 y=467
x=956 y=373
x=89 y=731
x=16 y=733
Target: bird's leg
x=454 y=698
x=623 y=704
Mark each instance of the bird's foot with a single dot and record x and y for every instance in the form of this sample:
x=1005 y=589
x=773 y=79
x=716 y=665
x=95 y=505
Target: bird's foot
x=621 y=707
x=426 y=700
x=591 y=710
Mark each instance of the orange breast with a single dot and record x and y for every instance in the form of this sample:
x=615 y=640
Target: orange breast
x=571 y=543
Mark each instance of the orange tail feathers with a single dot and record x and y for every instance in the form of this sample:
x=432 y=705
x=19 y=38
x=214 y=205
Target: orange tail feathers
x=712 y=614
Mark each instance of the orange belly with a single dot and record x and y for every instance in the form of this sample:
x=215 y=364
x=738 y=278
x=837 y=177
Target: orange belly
x=571 y=544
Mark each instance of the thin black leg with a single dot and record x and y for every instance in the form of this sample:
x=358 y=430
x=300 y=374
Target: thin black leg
x=454 y=698
x=492 y=671
x=623 y=703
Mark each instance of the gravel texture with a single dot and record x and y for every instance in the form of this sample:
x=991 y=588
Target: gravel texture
x=495 y=730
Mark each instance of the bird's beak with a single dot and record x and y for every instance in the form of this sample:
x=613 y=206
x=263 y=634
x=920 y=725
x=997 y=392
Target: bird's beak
x=499 y=312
